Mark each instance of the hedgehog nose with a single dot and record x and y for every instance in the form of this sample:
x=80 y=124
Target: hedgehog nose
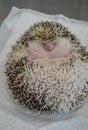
x=49 y=46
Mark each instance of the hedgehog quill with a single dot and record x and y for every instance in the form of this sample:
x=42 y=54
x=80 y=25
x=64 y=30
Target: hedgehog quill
x=47 y=69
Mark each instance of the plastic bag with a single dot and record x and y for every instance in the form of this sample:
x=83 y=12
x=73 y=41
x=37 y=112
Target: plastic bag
x=13 y=27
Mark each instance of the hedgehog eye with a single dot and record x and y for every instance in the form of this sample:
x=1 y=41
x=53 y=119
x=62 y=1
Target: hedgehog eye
x=49 y=46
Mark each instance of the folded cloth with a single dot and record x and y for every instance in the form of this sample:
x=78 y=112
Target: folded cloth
x=12 y=117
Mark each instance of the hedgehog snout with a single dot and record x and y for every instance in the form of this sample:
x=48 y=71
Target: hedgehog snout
x=49 y=46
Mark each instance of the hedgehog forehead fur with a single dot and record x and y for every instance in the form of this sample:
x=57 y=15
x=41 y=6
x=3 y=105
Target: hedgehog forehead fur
x=36 y=84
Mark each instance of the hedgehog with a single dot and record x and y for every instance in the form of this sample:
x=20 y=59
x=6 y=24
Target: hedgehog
x=47 y=69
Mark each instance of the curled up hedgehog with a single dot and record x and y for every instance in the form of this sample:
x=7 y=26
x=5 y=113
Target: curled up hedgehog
x=47 y=69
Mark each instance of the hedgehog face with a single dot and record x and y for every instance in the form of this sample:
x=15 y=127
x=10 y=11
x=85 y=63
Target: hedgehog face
x=47 y=69
x=60 y=48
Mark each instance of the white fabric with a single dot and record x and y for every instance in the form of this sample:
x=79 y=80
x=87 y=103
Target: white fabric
x=15 y=25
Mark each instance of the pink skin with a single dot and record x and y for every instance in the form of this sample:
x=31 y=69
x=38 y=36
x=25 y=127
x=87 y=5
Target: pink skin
x=49 y=50
x=49 y=46
x=60 y=51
